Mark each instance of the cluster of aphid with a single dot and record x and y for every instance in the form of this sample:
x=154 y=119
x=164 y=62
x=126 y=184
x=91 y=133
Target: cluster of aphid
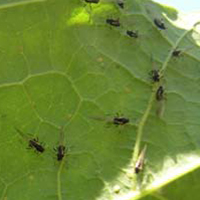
x=117 y=120
x=39 y=147
x=155 y=74
x=60 y=150
x=134 y=34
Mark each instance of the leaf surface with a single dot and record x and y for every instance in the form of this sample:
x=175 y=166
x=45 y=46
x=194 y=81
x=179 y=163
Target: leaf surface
x=62 y=65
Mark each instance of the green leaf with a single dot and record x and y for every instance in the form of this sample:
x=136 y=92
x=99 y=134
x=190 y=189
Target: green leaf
x=62 y=65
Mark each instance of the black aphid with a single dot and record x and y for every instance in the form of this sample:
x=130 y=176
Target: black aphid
x=61 y=148
x=120 y=120
x=60 y=152
x=140 y=161
x=176 y=53
x=133 y=34
x=160 y=93
x=159 y=23
x=92 y=1
x=120 y=3
x=34 y=143
x=155 y=76
x=113 y=22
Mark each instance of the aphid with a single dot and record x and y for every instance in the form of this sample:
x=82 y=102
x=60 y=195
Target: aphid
x=133 y=34
x=159 y=23
x=113 y=22
x=120 y=120
x=92 y=1
x=33 y=143
x=117 y=120
x=160 y=93
x=140 y=161
x=121 y=3
x=60 y=152
x=116 y=189
x=176 y=53
x=155 y=76
x=61 y=148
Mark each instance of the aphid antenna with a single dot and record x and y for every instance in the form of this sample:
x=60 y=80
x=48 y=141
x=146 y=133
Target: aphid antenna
x=184 y=50
x=119 y=114
x=106 y=117
x=99 y=118
x=61 y=140
x=89 y=5
x=142 y=153
x=152 y=61
x=24 y=136
x=175 y=49
x=188 y=48
x=69 y=148
x=103 y=119
x=160 y=108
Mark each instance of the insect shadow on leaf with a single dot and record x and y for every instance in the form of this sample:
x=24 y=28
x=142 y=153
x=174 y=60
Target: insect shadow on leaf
x=33 y=143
